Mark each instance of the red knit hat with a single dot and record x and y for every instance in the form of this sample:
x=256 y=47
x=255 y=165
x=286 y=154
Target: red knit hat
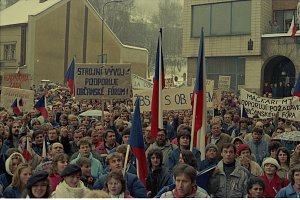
x=243 y=147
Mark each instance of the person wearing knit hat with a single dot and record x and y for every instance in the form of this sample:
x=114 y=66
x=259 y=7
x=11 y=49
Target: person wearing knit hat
x=272 y=181
x=244 y=149
x=70 y=186
x=209 y=146
x=38 y=186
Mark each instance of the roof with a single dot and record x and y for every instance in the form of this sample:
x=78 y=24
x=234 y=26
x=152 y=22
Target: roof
x=18 y=13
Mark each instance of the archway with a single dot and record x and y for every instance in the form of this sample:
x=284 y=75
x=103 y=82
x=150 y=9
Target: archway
x=279 y=69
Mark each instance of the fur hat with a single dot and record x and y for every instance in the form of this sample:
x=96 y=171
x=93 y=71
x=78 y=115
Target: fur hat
x=272 y=161
x=70 y=169
x=242 y=147
x=209 y=146
x=36 y=177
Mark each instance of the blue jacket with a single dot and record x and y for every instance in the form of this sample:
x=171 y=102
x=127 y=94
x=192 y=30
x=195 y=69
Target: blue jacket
x=260 y=150
x=174 y=157
x=5 y=180
x=12 y=192
x=134 y=185
x=287 y=192
x=96 y=167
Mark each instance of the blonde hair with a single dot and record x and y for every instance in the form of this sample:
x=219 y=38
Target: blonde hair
x=16 y=179
x=96 y=194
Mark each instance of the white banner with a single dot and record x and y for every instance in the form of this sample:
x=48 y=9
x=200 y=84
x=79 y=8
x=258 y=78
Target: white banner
x=224 y=83
x=139 y=83
x=287 y=108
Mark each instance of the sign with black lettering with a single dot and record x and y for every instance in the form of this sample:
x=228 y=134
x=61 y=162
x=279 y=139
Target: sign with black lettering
x=102 y=81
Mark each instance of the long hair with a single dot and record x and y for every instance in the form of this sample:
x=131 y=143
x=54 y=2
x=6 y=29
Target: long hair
x=189 y=158
x=57 y=157
x=118 y=176
x=28 y=191
x=16 y=179
x=286 y=151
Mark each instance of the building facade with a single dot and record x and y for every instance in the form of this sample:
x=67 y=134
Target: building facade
x=244 y=39
x=42 y=37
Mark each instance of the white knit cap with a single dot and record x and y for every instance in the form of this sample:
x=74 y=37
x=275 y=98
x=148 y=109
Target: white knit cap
x=272 y=161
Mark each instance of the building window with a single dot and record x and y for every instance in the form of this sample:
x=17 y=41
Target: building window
x=230 y=18
x=284 y=19
x=8 y=52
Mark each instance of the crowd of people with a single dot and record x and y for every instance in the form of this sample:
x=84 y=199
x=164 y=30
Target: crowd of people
x=72 y=156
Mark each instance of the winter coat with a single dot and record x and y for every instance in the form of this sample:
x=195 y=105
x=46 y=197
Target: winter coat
x=166 y=149
x=96 y=167
x=200 y=193
x=174 y=158
x=224 y=138
x=63 y=190
x=12 y=192
x=157 y=179
x=260 y=150
x=134 y=185
x=54 y=181
x=288 y=192
x=272 y=187
x=234 y=186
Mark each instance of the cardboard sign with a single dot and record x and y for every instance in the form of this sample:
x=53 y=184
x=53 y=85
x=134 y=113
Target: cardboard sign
x=102 y=81
x=169 y=82
x=287 y=108
x=224 y=83
x=173 y=98
x=8 y=95
x=16 y=80
x=139 y=83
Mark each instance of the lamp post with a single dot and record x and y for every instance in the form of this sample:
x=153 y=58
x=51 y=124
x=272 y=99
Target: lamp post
x=102 y=32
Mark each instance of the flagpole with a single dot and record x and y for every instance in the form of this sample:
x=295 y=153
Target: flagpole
x=193 y=122
x=160 y=110
x=126 y=159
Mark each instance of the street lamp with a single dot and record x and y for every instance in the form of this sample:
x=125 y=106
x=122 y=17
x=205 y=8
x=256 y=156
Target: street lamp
x=103 y=17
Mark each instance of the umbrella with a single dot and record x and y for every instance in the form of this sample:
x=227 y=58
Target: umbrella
x=91 y=113
x=290 y=136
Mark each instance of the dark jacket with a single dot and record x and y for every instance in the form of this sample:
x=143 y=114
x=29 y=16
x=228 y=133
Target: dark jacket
x=5 y=180
x=134 y=185
x=156 y=180
x=12 y=192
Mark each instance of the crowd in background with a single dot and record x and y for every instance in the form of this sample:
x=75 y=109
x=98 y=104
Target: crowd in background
x=85 y=155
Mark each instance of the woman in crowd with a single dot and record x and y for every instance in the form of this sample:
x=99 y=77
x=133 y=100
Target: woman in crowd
x=115 y=185
x=59 y=163
x=38 y=186
x=184 y=173
x=293 y=189
x=283 y=158
x=70 y=186
x=19 y=181
x=157 y=176
x=255 y=188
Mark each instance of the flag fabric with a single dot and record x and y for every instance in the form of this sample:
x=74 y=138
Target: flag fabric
x=41 y=106
x=243 y=112
x=136 y=142
x=297 y=87
x=26 y=151
x=45 y=148
x=17 y=106
x=293 y=28
x=158 y=86
x=18 y=70
x=199 y=102
x=69 y=77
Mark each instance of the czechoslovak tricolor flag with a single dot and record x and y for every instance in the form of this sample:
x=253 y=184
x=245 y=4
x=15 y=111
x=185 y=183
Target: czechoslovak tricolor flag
x=26 y=151
x=136 y=142
x=17 y=106
x=158 y=86
x=69 y=77
x=293 y=28
x=297 y=88
x=41 y=106
x=199 y=101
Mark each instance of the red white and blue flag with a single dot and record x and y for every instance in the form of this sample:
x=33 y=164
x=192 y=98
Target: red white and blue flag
x=297 y=88
x=293 y=28
x=69 y=77
x=158 y=86
x=41 y=106
x=26 y=150
x=136 y=142
x=17 y=106
x=199 y=101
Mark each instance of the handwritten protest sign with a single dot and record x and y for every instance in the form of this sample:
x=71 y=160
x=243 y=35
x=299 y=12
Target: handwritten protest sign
x=169 y=82
x=8 y=95
x=102 y=81
x=139 y=83
x=16 y=80
x=224 y=83
x=174 y=98
x=287 y=108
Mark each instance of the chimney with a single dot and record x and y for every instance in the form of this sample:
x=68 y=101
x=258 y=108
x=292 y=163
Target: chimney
x=42 y=1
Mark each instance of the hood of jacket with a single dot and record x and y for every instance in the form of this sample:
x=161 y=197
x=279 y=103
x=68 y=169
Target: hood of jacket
x=9 y=160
